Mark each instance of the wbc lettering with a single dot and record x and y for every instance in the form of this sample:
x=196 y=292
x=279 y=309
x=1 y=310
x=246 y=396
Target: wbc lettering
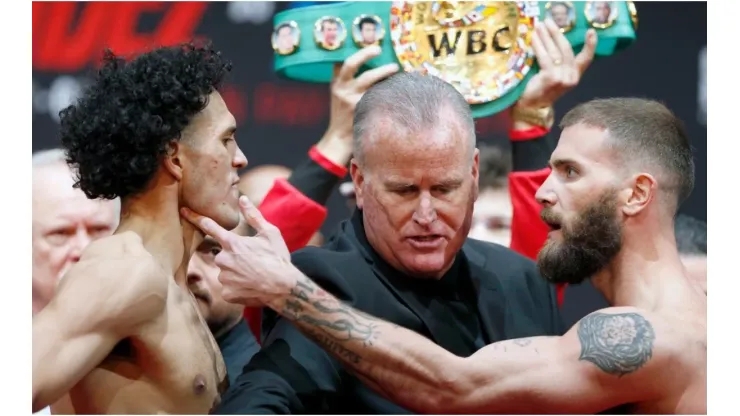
x=475 y=41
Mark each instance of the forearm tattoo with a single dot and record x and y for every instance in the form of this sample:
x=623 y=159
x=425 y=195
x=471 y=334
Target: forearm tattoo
x=328 y=321
x=618 y=344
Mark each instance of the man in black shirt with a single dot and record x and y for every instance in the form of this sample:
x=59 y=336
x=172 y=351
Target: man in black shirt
x=403 y=256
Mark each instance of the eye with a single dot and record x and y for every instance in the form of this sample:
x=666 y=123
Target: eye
x=214 y=251
x=570 y=172
x=99 y=231
x=60 y=236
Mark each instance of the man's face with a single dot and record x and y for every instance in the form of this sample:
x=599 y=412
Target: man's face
x=208 y=160
x=285 y=39
x=581 y=205
x=203 y=283
x=492 y=214
x=416 y=191
x=64 y=222
x=602 y=11
x=368 y=33
x=329 y=30
x=559 y=13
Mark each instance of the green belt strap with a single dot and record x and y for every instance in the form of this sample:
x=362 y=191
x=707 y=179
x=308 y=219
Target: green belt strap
x=311 y=63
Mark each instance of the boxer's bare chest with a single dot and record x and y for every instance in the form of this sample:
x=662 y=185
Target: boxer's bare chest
x=172 y=366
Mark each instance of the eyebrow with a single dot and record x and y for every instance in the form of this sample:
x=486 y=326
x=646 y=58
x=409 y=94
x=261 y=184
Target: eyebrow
x=450 y=183
x=208 y=243
x=557 y=163
x=229 y=131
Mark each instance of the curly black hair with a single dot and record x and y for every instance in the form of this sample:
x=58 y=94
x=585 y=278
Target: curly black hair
x=117 y=131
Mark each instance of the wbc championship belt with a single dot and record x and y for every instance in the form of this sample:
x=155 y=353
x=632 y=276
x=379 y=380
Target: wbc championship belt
x=483 y=49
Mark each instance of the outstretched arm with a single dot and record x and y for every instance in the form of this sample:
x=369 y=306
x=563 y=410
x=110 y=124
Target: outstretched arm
x=94 y=308
x=579 y=372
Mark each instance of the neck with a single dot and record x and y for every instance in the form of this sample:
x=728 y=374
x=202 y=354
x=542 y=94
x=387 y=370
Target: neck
x=154 y=215
x=639 y=274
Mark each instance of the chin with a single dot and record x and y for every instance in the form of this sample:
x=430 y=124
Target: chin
x=427 y=264
x=228 y=220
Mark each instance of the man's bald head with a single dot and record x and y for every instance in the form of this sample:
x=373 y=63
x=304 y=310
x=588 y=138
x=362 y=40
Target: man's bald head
x=407 y=103
x=258 y=181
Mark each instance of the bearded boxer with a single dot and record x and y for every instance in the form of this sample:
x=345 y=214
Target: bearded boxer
x=620 y=170
x=123 y=334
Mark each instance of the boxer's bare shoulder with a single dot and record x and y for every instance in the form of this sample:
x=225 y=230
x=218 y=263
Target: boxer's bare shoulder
x=159 y=356
x=638 y=361
x=661 y=355
x=650 y=360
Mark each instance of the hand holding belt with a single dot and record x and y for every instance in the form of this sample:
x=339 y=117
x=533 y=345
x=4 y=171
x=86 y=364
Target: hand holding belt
x=481 y=48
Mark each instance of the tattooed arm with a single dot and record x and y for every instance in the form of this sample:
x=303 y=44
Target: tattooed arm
x=600 y=363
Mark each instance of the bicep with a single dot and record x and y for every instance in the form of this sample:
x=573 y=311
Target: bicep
x=597 y=365
x=289 y=374
x=63 y=354
x=88 y=315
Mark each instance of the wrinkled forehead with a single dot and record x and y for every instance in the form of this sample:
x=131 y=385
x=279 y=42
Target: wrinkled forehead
x=431 y=152
x=583 y=144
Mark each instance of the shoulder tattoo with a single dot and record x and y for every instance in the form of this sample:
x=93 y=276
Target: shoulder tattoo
x=618 y=344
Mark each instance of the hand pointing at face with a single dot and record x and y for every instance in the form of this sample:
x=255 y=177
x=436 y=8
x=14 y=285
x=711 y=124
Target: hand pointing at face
x=253 y=269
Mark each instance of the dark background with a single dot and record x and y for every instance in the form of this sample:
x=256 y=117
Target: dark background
x=279 y=120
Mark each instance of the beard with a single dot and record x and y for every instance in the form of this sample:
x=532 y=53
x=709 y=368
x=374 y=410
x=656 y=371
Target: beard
x=589 y=242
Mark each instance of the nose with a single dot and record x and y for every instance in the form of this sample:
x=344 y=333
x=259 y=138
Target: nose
x=425 y=214
x=240 y=160
x=195 y=274
x=78 y=244
x=545 y=195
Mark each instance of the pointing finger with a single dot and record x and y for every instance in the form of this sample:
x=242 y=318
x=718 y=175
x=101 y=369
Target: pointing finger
x=207 y=225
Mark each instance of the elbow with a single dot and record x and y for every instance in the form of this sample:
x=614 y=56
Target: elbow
x=449 y=393
x=455 y=390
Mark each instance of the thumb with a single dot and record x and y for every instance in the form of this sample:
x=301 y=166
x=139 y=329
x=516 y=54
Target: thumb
x=252 y=215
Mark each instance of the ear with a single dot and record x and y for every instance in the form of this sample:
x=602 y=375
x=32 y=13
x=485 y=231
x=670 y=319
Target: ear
x=475 y=171
x=173 y=159
x=640 y=194
x=358 y=179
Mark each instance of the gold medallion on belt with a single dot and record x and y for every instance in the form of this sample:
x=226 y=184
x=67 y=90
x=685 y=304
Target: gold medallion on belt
x=484 y=49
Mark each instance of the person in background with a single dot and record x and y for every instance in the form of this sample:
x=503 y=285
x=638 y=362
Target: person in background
x=257 y=182
x=691 y=237
x=63 y=222
x=492 y=211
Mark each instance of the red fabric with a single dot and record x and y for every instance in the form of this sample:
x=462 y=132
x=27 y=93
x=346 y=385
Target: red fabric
x=297 y=217
x=528 y=231
x=327 y=164
x=529 y=134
